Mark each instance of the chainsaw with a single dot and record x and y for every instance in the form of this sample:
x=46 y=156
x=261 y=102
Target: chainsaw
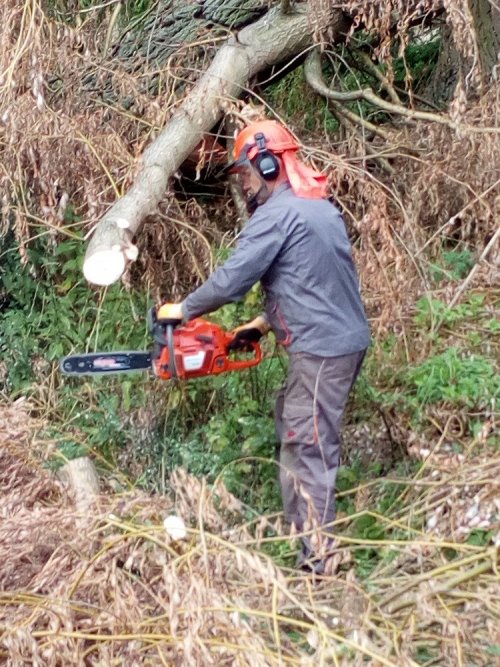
x=196 y=349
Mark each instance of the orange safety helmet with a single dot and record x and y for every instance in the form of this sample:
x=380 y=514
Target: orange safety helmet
x=260 y=142
x=278 y=139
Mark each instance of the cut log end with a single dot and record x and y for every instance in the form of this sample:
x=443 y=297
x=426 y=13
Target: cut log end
x=81 y=478
x=104 y=267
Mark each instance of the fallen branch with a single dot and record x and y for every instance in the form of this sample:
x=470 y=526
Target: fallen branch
x=270 y=40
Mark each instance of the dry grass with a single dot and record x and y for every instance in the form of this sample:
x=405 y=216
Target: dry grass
x=111 y=586
x=73 y=126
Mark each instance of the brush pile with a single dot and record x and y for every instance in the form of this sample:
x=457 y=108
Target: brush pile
x=121 y=584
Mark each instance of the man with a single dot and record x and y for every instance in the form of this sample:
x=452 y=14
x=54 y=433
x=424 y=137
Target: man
x=296 y=244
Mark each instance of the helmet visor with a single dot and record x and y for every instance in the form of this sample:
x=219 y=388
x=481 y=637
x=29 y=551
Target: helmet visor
x=242 y=161
x=250 y=183
x=242 y=171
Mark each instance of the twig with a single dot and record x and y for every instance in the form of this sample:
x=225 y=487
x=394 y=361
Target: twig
x=374 y=70
x=236 y=194
x=101 y=6
x=472 y=273
x=444 y=587
x=111 y=26
x=365 y=124
x=419 y=98
x=202 y=237
x=347 y=118
x=416 y=581
x=455 y=216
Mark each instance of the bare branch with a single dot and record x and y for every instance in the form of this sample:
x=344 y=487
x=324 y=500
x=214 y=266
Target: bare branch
x=315 y=80
x=349 y=120
x=376 y=72
x=313 y=75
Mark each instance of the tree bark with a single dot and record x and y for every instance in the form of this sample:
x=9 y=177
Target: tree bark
x=452 y=64
x=487 y=25
x=271 y=40
x=174 y=24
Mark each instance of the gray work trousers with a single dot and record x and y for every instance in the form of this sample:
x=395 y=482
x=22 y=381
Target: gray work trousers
x=309 y=412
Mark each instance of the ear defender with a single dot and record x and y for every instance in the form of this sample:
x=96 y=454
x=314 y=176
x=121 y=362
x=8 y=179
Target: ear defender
x=266 y=163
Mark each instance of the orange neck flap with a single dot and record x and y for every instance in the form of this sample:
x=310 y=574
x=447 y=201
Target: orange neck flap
x=305 y=181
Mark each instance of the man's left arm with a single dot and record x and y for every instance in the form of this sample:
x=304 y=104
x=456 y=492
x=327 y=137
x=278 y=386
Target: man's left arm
x=257 y=248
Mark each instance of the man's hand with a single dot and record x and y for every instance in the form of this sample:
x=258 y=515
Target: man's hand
x=248 y=333
x=170 y=313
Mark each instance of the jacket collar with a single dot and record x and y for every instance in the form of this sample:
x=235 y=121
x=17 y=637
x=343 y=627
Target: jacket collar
x=281 y=188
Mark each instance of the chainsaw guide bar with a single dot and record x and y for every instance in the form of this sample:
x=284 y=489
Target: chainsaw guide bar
x=105 y=362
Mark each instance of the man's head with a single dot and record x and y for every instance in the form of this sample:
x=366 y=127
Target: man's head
x=257 y=162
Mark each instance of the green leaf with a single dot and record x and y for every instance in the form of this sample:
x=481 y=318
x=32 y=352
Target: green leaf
x=480 y=538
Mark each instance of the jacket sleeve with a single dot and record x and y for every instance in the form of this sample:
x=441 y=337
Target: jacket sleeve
x=258 y=245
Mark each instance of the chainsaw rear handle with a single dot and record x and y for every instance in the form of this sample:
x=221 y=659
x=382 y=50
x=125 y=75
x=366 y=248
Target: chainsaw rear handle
x=241 y=364
x=243 y=338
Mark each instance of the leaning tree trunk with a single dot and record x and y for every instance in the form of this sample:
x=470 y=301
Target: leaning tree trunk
x=171 y=24
x=274 y=38
x=486 y=15
x=472 y=60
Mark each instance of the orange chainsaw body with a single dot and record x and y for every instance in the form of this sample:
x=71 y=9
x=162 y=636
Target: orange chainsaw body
x=196 y=349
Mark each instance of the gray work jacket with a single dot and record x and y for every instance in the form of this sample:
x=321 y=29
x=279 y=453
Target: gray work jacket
x=299 y=249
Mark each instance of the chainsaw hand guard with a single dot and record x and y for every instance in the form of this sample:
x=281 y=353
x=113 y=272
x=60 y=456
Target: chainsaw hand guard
x=169 y=313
